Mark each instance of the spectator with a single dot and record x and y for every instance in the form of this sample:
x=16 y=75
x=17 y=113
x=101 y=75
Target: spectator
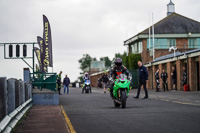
x=99 y=83
x=105 y=81
x=164 y=77
x=143 y=78
x=157 y=78
x=173 y=74
x=59 y=82
x=66 y=83
x=184 y=81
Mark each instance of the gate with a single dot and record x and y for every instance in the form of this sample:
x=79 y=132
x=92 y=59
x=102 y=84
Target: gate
x=135 y=78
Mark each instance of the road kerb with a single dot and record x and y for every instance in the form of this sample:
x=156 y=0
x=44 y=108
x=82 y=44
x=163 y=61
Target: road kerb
x=71 y=128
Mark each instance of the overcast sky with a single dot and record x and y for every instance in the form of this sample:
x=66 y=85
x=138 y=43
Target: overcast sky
x=96 y=27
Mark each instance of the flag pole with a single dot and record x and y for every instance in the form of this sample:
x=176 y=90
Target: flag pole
x=153 y=36
x=149 y=31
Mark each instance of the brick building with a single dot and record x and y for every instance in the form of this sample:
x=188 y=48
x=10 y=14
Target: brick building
x=189 y=59
x=174 y=30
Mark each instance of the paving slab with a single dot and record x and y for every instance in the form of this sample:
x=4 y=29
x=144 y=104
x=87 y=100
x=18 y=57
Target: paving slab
x=43 y=119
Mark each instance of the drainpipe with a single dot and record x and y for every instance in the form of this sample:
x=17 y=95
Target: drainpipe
x=187 y=71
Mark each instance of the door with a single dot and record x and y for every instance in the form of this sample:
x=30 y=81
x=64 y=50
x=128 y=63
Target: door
x=197 y=74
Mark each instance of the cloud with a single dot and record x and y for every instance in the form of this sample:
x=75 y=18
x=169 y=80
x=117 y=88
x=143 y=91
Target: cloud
x=96 y=27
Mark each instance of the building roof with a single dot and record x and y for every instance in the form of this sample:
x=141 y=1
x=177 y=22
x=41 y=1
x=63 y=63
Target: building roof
x=177 y=54
x=175 y=24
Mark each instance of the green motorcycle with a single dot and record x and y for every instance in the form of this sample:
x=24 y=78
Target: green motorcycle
x=121 y=90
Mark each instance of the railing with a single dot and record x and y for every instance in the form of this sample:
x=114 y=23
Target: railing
x=44 y=80
x=15 y=100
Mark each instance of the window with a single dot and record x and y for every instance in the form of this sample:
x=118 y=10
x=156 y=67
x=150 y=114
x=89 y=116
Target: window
x=134 y=48
x=140 y=47
x=171 y=42
x=149 y=46
x=192 y=43
x=198 y=42
x=158 y=44
x=162 y=44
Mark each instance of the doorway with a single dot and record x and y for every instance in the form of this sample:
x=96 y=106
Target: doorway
x=197 y=74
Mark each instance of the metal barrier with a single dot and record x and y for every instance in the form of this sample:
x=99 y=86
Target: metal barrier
x=15 y=100
x=44 y=80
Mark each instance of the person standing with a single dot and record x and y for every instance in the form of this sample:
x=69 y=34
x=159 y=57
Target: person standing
x=184 y=81
x=59 y=82
x=143 y=78
x=66 y=83
x=157 y=78
x=105 y=81
x=173 y=74
x=164 y=77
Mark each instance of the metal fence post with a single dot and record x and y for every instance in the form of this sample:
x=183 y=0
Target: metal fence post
x=11 y=95
x=3 y=97
x=22 y=92
x=17 y=93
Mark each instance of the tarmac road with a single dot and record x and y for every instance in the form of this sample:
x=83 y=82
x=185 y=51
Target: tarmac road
x=95 y=113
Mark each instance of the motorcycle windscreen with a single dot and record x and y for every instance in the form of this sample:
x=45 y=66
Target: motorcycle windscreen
x=87 y=82
x=122 y=76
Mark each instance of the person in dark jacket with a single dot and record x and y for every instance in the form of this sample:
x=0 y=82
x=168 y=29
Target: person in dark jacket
x=143 y=78
x=59 y=82
x=157 y=78
x=173 y=74
x=184 y=81
x=105 y=81
x=164 y=77
x=66 y=82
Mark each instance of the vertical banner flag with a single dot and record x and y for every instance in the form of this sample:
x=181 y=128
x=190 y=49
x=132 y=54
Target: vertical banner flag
x=47 y=43
x=41 y=45
x=38 y=54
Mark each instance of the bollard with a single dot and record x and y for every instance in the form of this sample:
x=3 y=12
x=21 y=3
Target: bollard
x=22 y=93
x=17 y=93
x=3 y=97
x=11 y=95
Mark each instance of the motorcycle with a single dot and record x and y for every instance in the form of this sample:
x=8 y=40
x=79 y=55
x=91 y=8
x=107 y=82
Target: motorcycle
x=87 y=87
x=121 y=90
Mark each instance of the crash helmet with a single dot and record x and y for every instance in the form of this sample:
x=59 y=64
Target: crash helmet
x=118 y=62
x=86 y=74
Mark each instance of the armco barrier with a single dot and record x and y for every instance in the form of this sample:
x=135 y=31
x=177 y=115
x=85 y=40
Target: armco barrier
x=9 y=122
x=15 y=100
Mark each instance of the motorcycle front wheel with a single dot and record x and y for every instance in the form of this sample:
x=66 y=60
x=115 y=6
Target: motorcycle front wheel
x=123 y=98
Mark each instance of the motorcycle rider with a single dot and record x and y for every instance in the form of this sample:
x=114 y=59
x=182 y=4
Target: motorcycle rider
x=117 y=70
x=86 y=77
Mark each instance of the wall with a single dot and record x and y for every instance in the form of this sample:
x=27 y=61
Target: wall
x=146 y=58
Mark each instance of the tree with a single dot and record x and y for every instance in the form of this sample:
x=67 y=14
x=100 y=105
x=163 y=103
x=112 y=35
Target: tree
x=85 y=61
x=108 y=62
x=129 y=61
x=133 y=60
